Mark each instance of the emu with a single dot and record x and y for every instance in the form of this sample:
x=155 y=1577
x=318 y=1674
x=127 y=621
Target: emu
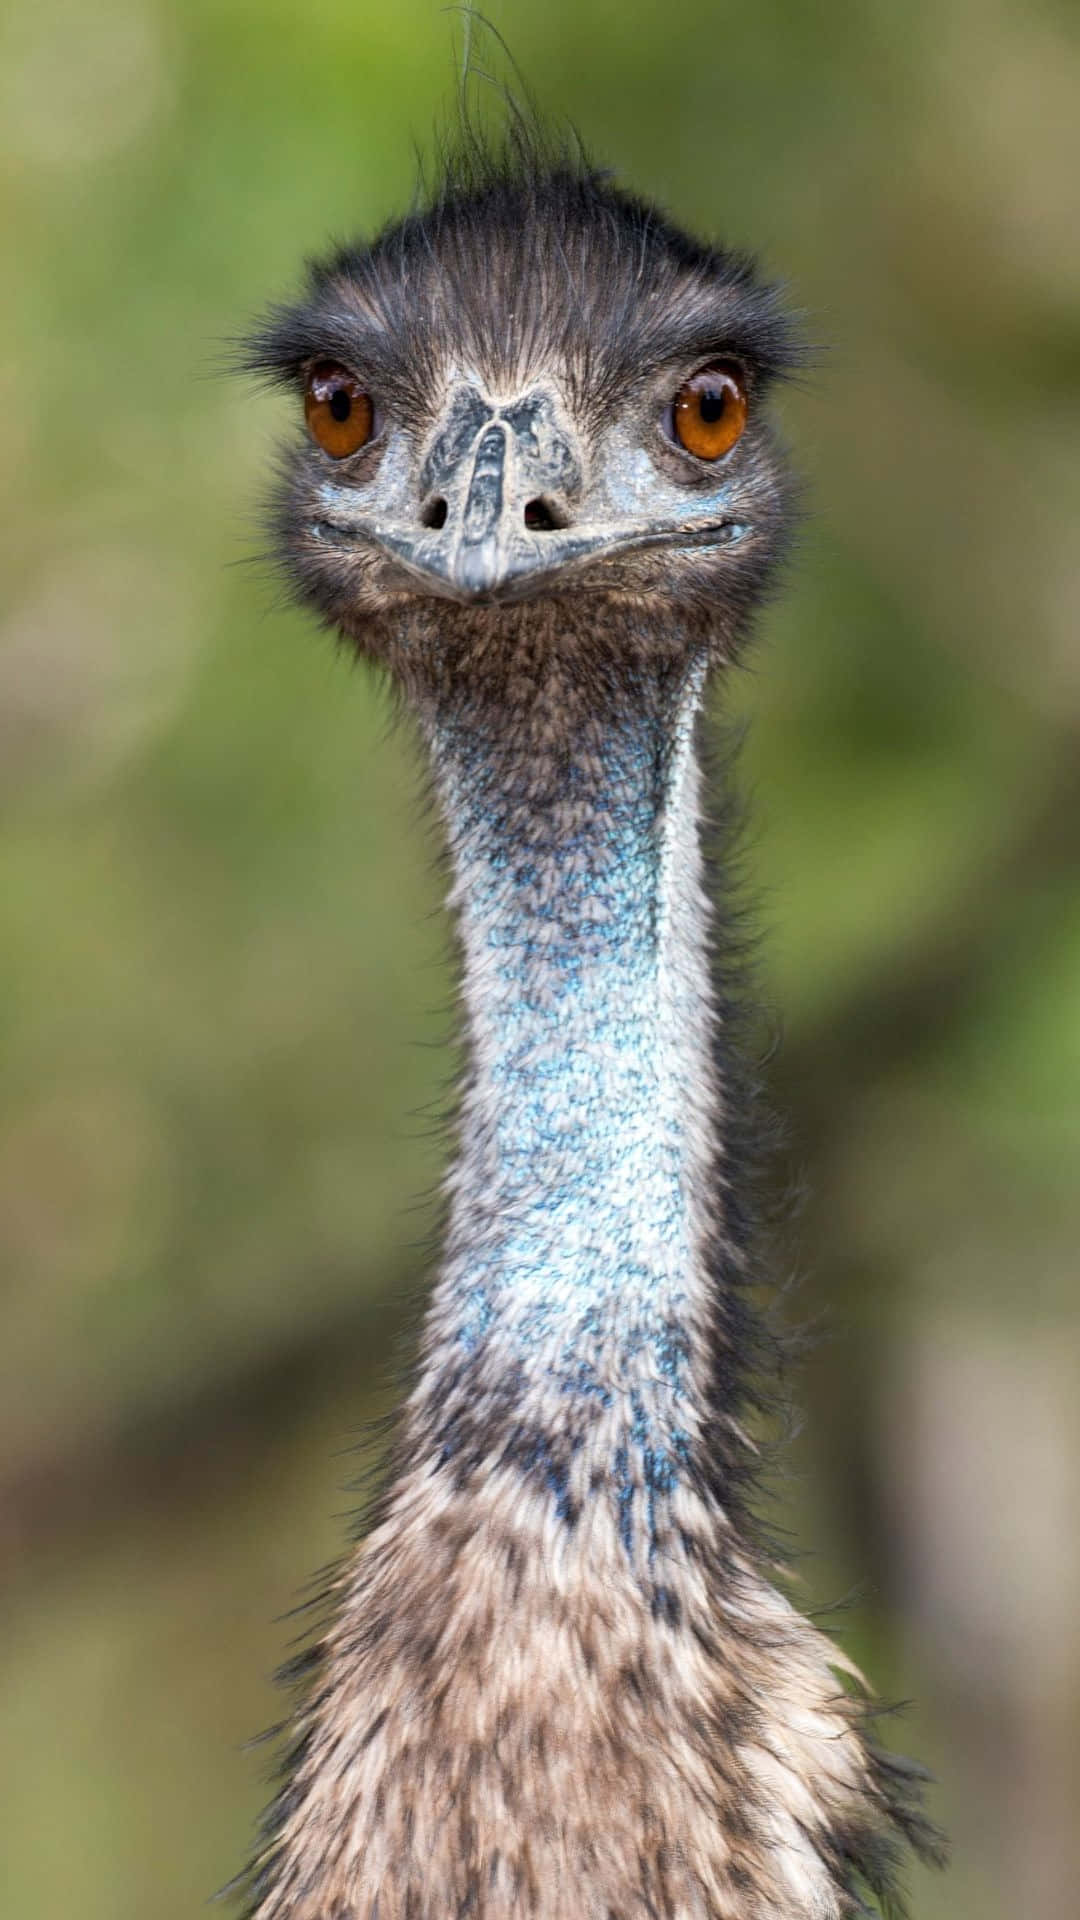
x=536 y=484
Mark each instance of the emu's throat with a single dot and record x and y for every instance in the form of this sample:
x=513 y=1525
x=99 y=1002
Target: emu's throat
x=572 y=1299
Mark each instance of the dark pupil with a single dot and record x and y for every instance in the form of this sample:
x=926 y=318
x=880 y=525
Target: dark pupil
x=340 y=403
x=711 y=403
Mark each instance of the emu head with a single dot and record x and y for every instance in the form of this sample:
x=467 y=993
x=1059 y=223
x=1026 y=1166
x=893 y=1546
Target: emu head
x=536 y=395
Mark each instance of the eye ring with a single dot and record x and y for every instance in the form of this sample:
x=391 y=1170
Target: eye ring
x=340 y=414
x=708 y=414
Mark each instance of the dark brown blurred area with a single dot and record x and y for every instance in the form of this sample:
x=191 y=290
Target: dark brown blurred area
x=224 y=1000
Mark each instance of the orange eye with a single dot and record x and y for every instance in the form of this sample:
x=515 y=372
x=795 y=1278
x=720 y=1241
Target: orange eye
x=709 y=412
x=340 y=415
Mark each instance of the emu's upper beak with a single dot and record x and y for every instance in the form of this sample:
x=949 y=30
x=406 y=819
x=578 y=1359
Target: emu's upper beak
x=500 y=488
x=496 y=510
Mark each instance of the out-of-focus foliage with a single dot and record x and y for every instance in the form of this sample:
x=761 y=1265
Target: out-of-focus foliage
x=216 y=936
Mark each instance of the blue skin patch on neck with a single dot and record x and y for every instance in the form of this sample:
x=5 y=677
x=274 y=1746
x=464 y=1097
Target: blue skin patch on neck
x=573 y=1253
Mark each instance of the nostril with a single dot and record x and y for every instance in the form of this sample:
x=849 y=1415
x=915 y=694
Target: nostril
x=434 y=514
x=539 y=517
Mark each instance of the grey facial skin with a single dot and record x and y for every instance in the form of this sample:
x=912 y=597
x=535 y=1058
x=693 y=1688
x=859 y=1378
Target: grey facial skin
x=504 y=508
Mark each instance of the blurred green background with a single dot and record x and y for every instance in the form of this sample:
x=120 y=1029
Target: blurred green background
x=223 y=970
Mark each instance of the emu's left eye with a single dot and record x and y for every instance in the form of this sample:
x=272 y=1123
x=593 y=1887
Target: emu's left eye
x=340 y=415
x=709 y=412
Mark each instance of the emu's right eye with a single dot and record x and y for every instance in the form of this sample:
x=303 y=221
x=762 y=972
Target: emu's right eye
x=709 y=413
x=340 y=415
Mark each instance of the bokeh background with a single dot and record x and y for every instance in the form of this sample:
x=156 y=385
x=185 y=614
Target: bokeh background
x=223 y=967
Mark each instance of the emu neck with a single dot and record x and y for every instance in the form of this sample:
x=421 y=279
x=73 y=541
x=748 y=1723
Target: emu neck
x=566 y=1340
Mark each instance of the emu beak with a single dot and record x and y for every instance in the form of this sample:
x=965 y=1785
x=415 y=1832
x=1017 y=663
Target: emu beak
x=487 y=546
x=499 y=486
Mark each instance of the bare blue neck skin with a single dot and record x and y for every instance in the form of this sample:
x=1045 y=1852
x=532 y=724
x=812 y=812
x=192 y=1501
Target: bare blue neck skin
x=572 y=1299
